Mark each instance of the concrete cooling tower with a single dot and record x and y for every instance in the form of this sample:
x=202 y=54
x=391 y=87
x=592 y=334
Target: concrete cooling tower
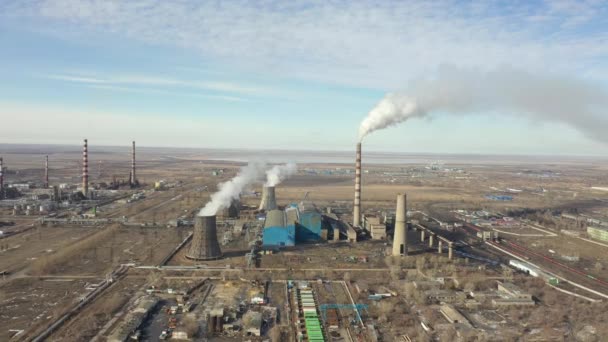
x=269 y=201
x=204 y=240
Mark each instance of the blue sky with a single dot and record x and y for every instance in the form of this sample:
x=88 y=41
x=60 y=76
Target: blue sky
x=245 y=74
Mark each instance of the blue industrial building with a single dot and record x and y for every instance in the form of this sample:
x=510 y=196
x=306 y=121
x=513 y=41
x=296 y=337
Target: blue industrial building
x=284 y=228
x=279 y=230
x=308 y=228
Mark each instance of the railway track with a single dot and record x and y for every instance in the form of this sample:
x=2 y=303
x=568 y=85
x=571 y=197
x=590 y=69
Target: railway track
x=527 y=253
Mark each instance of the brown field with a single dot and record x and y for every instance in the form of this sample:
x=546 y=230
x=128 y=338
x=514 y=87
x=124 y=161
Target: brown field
x=23 y=249
x=30 y=304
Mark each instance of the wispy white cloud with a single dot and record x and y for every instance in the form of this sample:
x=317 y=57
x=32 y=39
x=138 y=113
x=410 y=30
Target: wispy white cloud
x=165 y=92
x=135 y=81
x=357 y=43
x=79 y=79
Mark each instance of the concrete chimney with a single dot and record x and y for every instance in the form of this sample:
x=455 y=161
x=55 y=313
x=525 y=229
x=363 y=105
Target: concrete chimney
x=204 y=239
x=400 y=234
x=1 y=179
x=269 y=201
x=85 y=169
x=133 y=177
x=46 y=172
x=357 y=206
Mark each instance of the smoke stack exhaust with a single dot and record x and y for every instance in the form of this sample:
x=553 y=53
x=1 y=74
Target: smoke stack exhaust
x=204 y=239
x=400 y=234
x=1 y=180
x=85 y=169
x=357 y=206
x=269 y=201
x=46 y=172
x=133 y=178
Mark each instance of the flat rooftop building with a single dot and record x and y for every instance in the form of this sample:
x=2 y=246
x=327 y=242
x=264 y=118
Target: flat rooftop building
x=454 y=316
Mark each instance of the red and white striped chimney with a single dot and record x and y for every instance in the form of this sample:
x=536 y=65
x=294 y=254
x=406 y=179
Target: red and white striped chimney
x=133 y=178
x=46 y=172
x=85 y=169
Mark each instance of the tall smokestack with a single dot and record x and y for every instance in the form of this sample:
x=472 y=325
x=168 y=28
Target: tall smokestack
x=1 y=179
x=46 y=172
x=85 y=169
x=133 y=178
x=269 y=201
x=357 y=207
x=400 y=234
x=204 y=239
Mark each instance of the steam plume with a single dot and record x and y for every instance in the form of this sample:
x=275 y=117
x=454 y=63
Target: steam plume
x=279 y=173
x=544 y=98
x=230 y=190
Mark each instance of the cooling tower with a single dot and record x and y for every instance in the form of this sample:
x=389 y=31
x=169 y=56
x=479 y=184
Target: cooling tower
x=357 y=206
x=269 y=201
x=204 y=240
x=400 y=234
x=85 y=169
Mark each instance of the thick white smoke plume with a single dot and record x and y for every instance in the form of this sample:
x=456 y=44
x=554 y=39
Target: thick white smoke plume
x=230 y=190
x=279 y=173
x=545 y=98
x=250 y=174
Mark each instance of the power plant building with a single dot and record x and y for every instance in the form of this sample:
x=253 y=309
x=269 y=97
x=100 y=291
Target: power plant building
x=279 y=231
x=376 y=226
x=308 y=228
x=287 y=227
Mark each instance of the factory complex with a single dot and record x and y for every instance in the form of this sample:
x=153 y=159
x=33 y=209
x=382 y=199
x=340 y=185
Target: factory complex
x=275 y=261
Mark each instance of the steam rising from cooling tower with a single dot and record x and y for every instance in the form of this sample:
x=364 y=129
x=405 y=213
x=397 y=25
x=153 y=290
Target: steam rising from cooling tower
x=230 y=190
x=279 y=173
x=252 y=173
x=545 y=98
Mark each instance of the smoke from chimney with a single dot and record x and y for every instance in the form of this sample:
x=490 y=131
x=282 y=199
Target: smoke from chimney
x=279 y=173
x=546 y=98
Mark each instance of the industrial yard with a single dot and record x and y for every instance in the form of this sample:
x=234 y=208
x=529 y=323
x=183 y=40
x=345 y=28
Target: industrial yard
x=469 y=253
